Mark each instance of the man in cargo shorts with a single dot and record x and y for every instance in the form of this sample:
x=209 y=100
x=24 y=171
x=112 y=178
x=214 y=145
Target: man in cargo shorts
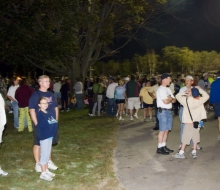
x=165 y=98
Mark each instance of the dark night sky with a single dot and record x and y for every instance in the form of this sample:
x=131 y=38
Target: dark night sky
x=200 y=31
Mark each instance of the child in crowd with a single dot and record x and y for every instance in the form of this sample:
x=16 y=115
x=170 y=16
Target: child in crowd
x=47 y=128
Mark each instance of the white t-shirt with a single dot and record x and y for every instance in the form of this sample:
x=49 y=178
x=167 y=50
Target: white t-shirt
x=11 y=91
x=162 y=94
x=2 y=114
x=111 y=90
x=56 y=87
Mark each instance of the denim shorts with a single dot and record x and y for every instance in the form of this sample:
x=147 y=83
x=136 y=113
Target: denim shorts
x=165 y=120
x=217 y=109
x=57 y=94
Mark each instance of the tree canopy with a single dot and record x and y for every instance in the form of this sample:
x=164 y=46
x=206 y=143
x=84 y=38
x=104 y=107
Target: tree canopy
x=66 y=37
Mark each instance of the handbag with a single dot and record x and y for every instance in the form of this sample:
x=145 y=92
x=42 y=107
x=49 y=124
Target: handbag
x=195 y=123
x=95 y=96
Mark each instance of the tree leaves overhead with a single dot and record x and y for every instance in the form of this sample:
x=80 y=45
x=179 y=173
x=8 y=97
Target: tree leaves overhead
x=68 y=36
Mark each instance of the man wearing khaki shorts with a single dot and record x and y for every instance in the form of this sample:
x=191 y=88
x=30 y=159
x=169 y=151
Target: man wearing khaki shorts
x=192 y=105
x=132 y=96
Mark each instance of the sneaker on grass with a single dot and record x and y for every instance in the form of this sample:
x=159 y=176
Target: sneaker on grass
x=38 y=167
x=131 y=118
x=3 y=173
x=178 y=155
x=51 y=174
x=144 y=120
x=45 y=177
x=51 y=165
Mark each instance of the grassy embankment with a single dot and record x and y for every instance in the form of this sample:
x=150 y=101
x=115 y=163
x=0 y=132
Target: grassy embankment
x=83 y=155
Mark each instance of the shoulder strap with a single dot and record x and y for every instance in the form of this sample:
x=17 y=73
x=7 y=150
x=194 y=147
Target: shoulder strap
x=188 y=109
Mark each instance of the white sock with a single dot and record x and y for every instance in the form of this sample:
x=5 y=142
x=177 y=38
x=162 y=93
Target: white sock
x=163 y=143
x=43 y=172
x=194 y=151
x=160 y=145
x=181 y=152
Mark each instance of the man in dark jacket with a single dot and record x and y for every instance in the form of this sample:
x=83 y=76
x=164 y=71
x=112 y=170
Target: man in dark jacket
x=64 y=94
x=22 y=95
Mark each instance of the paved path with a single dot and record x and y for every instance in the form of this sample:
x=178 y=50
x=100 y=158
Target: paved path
x=138 y=167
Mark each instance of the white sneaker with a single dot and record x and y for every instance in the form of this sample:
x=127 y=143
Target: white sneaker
x=51 y=165
x=116 y=114
x=45 y=177
x=51 y=174
x=198 y=147
x=135 y=115
x=3 y=173
x=67 y=110
x=194 y=155
x=121 y=119
x=10 y=112
x=38 y=168
x=131 y=118
x=178 y=155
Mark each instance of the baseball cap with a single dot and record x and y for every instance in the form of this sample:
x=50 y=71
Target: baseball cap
x=126 y=78
x=195 y=92
x=189 y=77
x=205 y=74
x=165 y=75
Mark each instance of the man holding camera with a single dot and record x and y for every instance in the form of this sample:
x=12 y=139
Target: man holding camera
x=193 y=113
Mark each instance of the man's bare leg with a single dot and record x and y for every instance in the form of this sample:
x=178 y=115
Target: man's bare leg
x=36 y=152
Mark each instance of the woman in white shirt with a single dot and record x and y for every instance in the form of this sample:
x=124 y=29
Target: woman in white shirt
x=14 y=102
x=2 y=124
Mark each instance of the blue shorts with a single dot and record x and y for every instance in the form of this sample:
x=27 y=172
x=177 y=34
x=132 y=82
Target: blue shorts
x=147 y=105
x=57 y=94
x=217 y=109
x=165 y=120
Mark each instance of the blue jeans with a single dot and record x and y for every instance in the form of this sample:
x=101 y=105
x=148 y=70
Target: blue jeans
x=111 y=107
x=79 y=103
x=165 y=120
x=99 y=101
x=15 y=112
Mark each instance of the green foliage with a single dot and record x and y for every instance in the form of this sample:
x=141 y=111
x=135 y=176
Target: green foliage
x=66 y=36
x=173 y=59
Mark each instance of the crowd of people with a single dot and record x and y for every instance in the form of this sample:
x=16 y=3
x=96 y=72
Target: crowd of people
x=36 y=106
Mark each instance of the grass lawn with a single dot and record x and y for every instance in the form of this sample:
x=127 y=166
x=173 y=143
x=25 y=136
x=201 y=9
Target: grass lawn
x=83 y=155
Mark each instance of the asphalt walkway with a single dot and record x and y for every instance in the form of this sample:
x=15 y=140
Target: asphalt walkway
x=138 y=167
